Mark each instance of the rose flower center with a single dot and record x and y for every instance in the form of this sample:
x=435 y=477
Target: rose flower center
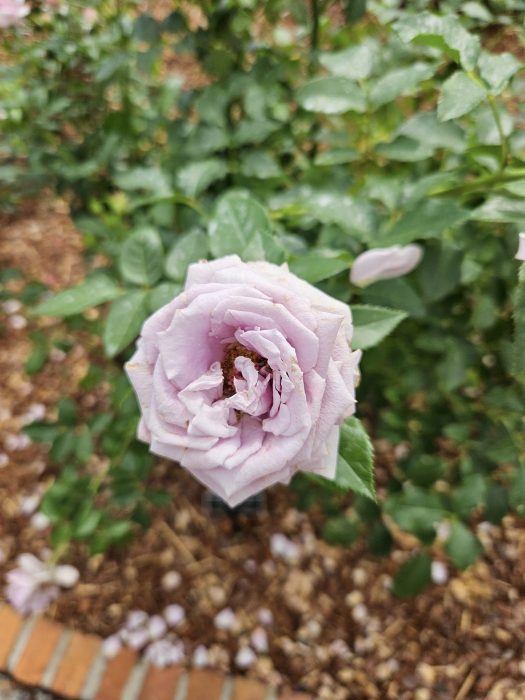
x=229 y=372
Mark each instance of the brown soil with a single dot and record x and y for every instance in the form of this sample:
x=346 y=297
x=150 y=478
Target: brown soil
x=337 y=629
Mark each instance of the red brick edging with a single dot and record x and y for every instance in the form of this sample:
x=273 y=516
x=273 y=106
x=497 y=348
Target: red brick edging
x=39 y=652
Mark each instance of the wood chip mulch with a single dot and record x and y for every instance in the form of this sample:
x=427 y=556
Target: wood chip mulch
x=337 y=630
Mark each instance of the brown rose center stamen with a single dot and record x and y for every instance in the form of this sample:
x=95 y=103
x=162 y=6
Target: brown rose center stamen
x=228 y=365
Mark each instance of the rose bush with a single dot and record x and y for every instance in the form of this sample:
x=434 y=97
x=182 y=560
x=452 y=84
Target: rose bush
x=245 y=377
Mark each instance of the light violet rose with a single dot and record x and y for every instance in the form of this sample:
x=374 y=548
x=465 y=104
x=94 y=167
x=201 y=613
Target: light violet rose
x=520 y=255
x=34 y=584
x=384 y=263
x=245 y=377
x=12 y=12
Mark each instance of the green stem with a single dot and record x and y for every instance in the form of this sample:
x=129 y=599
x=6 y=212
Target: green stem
x=481 y=183
x=504 y=142
x=59 y=553
x=314 y=34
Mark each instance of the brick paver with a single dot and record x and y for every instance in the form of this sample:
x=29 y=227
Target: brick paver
x=116 y=675
x=65 y=660
x=161 y=683
x=246 y=689
x=10 y=624
x=205 y=684
x=75 y=664
x=38 y=651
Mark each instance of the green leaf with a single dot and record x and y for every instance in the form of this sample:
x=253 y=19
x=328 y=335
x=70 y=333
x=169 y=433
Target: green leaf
x=413 y=577
x=405 y=149
x=372 y=324
x=355 y=63
x=39 y=431
x=501 y=209
x=517 y=491
x=67 y=412
x=462 y=546
x=341 y=531
x=84 y=446
x=260 y=165
x=445 y=33
x=38 y=355
x=355 y=464
x=187 y=249
x=518 y=364
x=94 y=291
x=162 y=294
x=318 y=265
x=331 y=95
x=242 y=226
x=124 y=321
x=151 y=180
x=141 y=257
x=354 y=10
x=497 y=70
x=428 y=219
x=426 y=127
x=399 y=81
x=196 y=177
x=417 y=511
x=459 y=96
x=63 y=447
x=86 y=522
x=395 y=294
x=336 y=156
x=440 y=271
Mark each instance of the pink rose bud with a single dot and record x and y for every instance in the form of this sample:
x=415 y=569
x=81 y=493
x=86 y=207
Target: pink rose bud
x=245 y=377
x=520 y=255
x=384 y=263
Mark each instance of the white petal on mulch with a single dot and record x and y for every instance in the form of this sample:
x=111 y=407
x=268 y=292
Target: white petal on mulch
x=66 y=576
x=111 y=646
x=265 y=616
x=11 y=306
x=174 y=615
x=17 y=322
x=39 y=521
x=171 y=580
x=283 y=548
x=200 y=657
x=439 y=572
x=136 y=619
x=259 y=640
x=157 y=627
x=245 y=658
x=225 y=620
